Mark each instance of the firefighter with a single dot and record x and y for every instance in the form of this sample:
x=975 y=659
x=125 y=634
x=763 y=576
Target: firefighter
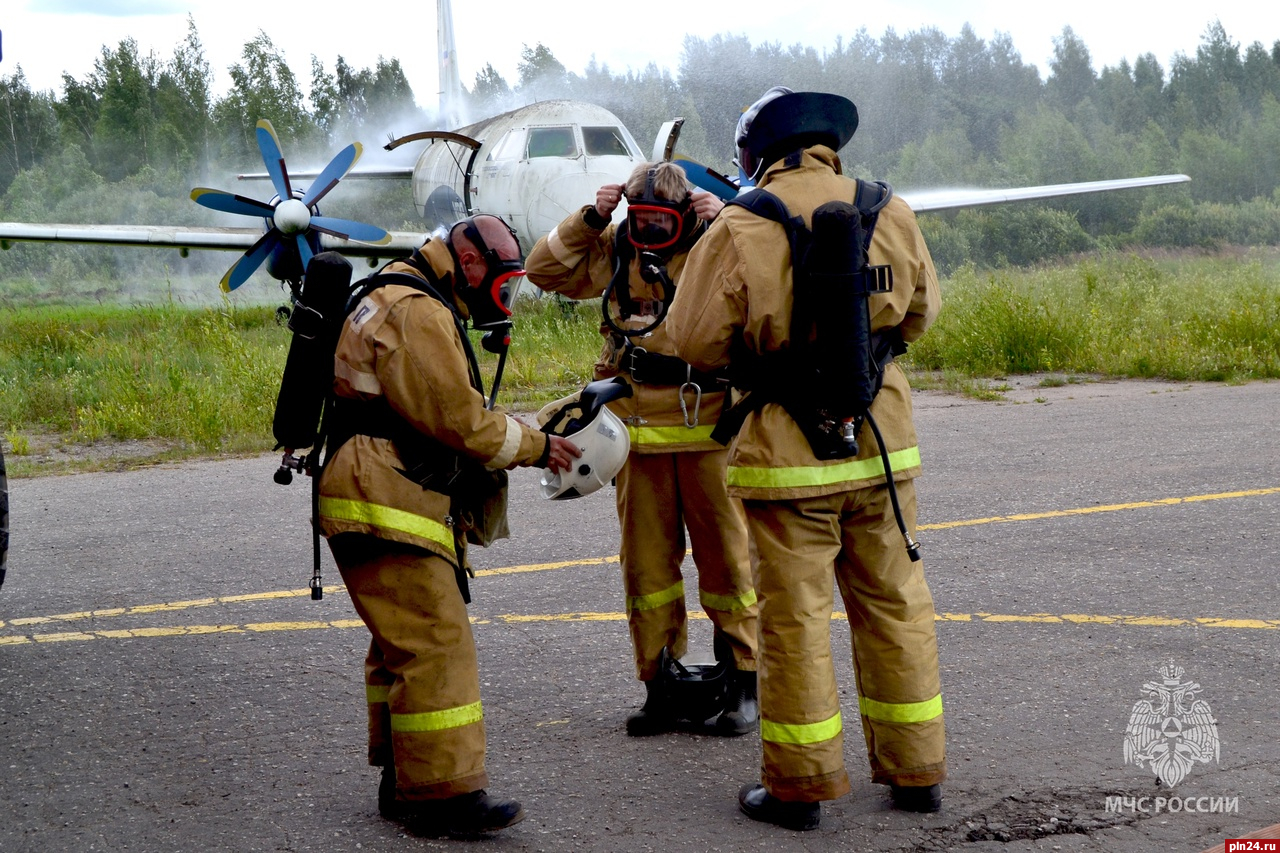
x=673 y=479
x=413 y=417
x=814 y=519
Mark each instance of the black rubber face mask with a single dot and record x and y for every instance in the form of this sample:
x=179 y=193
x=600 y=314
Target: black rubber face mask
x=490 y=304
x=655 y=224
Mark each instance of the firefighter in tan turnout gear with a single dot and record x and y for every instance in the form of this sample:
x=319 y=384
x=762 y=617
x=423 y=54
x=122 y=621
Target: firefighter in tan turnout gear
x=814 y=518
x=674 y=475
x=389 y=502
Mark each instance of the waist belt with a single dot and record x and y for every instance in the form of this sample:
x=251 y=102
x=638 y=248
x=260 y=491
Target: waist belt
x=652 y=368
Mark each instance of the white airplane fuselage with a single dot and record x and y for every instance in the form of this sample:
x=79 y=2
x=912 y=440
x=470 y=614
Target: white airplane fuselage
x=532 y=166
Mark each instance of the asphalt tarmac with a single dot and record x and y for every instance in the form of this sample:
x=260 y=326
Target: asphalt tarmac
x=166 y=684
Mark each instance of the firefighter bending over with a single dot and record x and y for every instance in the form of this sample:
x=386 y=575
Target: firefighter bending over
x=398 y=502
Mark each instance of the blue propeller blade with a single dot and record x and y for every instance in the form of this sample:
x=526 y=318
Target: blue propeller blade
x=329 y=177
x=273 y=159
x=304 y=250
x=349 y=230
x=230 y=203
x=707 y=179
x=252 y=259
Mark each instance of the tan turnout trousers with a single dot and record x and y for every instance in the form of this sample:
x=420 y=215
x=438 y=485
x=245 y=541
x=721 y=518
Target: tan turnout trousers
x=801 y=544
x=657 y=496
x=421 y=680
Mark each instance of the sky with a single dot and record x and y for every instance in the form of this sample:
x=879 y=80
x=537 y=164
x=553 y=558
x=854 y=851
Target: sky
x=49 y=37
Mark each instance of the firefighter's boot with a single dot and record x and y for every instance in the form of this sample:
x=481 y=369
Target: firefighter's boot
x=741 y=713
x=916 y=798
x=758 y=804
x=655 y=716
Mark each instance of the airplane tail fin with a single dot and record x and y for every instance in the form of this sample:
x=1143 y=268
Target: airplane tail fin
x=450 y=81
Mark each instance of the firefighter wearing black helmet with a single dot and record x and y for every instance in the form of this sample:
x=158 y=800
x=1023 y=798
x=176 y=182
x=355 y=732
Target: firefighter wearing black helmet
x=412 y=417
x=815 y=519
x=673 y=479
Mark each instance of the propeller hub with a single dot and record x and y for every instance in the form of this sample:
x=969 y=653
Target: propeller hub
x=291 y=217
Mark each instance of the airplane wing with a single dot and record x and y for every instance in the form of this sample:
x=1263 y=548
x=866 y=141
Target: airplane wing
x=194 y=237
x=931 y=200
x=376 y=173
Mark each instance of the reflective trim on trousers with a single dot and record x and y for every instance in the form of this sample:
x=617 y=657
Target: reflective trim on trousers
x=434 y=721
x=822 y=475
x=801 y=732
x=901 y=712
x=375 y=693
x=726 y=603
x=655 y=599
x=669 y=434
x=387 y=517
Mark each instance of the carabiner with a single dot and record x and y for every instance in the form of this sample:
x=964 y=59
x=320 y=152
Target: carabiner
x=697 y=398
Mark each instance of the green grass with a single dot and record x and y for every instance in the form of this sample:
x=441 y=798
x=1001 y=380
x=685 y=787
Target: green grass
x=203 y=380
x=1215 y=319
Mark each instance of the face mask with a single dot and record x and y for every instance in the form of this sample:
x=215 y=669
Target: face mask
x=653 y=223
x=490 y=303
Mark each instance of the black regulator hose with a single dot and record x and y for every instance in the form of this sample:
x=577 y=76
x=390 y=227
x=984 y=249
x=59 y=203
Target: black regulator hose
x=913 y=547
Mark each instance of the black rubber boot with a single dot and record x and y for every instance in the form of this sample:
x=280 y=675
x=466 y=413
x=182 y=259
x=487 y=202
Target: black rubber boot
x=742 y=709
x=463 y=816
x=916 y=798
x=758 y=804
x=655 y=716
x=388 y=807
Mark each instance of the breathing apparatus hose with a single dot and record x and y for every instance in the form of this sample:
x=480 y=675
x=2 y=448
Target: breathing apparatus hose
x=913 y=547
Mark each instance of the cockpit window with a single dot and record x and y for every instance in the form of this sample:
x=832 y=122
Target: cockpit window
x=510 y=146
x=552 y=142
x=604 y=142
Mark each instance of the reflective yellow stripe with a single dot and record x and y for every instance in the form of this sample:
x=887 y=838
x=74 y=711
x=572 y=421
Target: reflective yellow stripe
x=727 y=603
x=655 y=599
x=375 y=693
x=903 y=712
x=669 y=435
x=822 y=475
x=802 y=733
x=434 y=721
x=388 y=517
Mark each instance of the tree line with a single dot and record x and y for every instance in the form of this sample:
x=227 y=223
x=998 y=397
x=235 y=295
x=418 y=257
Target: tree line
x=128 y=141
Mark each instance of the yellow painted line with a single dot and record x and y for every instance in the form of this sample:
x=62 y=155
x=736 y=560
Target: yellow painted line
x=543 y=567
x=521 y=618
x=1091 y=510
x=173 y=606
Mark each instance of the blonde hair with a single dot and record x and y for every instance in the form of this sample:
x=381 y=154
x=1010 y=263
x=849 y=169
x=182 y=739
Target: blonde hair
x=668 y=181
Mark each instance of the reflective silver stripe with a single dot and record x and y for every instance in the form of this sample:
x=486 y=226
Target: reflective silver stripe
x=510 y=446
x=560 y=252
x=365 y=383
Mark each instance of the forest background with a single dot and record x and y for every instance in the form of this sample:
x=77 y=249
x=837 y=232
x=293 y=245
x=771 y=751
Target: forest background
x=129 y=141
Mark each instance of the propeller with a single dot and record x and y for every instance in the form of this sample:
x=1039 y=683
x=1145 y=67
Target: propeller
x=291 y=218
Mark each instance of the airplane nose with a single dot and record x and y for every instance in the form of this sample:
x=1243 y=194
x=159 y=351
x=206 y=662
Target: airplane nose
x=291 y=216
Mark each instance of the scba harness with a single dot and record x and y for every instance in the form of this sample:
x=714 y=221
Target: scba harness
x=309 y=415
x=830 y=374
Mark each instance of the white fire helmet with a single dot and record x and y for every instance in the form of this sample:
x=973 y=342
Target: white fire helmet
x=598 y=433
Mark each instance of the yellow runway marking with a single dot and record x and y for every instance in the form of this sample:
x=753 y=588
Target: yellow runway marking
x=527 y=618
x=260 y=627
